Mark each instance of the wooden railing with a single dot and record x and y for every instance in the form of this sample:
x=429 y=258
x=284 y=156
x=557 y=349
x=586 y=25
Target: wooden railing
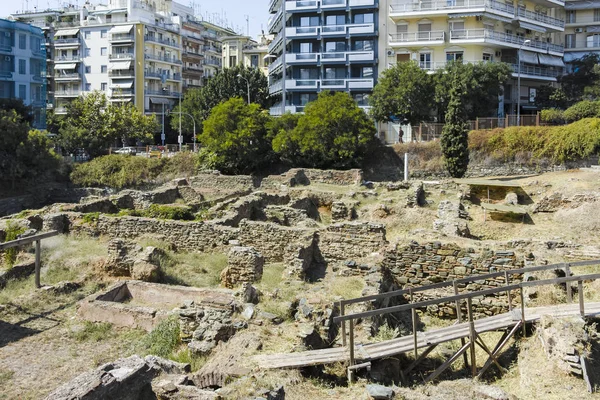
x=30 y=239
x=458 y=298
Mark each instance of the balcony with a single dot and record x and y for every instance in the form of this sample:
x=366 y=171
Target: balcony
x=39 y=78
x=165 y=59
x=121 y=56
x=417 y=38
x=68 y=93
x=192 y=54
x=528 y=71
x=121 y=73
x=6 y=75
x=275 y=43
x=278 y=110
x=67 y=42
x=301 y=84
x=193 y=68
x=215 y=63
x=122 y=37
x=276 y=87
x=582 y=20
x=67 y=59
x=166 y=93
x=539 y=18
x=301 y=31
x=274 y=21
x=503 y=39
x=174 y=77
x=122 y=92
x=166 y=42
x=300 y=58
x=276 y=64
x=213 y=49
x=334 y=30
x=329 y=4
x=302 y=5
x=584 y=45
x=6 y=49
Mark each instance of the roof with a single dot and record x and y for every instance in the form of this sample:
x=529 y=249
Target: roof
x=504 y=208
x=487 y=182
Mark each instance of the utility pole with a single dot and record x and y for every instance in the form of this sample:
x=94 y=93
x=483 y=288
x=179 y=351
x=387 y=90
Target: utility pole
x=180 y=138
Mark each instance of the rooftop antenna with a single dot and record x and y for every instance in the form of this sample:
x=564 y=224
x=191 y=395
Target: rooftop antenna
x=247 y=24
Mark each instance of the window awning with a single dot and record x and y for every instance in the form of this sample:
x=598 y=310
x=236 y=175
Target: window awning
x=582 y=5
x=122 y=85
x=65 y=66
x=574 y=55
x=159 y=100
x=120 y=65
x=66 y=32
x=532 y=27
x=594 y=29
x=120 y=29
x=546 y=59
x=498 y=18
x=529 y=57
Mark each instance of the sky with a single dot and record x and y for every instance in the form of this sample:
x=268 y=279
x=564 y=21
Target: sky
x=216 y=11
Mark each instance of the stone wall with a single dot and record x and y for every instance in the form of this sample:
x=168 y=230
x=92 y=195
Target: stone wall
x=182 y=235
x=419 y=265
x=306 y=176
x=214 y=180
x=351 y=240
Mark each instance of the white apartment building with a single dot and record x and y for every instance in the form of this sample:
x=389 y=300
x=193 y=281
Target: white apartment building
x=582 y=29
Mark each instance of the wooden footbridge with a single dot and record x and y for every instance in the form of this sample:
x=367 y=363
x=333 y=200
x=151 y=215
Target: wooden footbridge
x=466 y=330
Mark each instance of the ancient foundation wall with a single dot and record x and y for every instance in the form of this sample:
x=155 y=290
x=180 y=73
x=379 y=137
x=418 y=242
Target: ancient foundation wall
x=222 y=182
x=351 y=240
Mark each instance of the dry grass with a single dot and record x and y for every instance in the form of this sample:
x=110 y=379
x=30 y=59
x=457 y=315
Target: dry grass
x=194 y=269
x=346 y=287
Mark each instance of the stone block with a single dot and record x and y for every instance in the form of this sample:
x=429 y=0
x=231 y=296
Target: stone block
x=244 y=265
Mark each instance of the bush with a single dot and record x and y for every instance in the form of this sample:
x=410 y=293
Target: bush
x=169 y=212
x=163 y=339
x=583 y=109
x=573 y=142
x=12 y=232
x=553 y=116
x=118 y=171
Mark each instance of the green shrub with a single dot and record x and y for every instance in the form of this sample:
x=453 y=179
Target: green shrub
x=91 y=218
x=575 y=141
x=583 y=109
x=163 y=339
x=169 y=212
x=117 y=171
x=12 y=232
x=93 y=332
x=553 y=116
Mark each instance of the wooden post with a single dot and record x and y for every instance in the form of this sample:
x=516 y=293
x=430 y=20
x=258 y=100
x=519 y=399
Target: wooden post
x=459 y=319
x=343 y=324
x=477 y=123
x=472 y=337
x=523 y=313
x=537 y=119
x=413 y=313
x=508 y=291
x=569 y=288
x=581 y=300
x=351 y=328
x=506 y=122
x=38 y=252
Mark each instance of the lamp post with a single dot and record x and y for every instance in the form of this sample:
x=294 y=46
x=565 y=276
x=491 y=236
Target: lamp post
x=519 y=81
x=193 y=120
x=247 y=83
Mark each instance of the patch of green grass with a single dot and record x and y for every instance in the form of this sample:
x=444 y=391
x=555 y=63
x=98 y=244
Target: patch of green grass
x=6 y=376
x=272 y=276
x=161 y=211
x=186 y=356
x=385 y=332
x=347 y=287
x=91 y=218
x=93 y=332
x=13 y=230
x=164 y=338
x=195 y=269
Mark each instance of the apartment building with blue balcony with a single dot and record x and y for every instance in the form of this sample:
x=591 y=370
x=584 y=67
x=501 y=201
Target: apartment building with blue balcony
x=322 y=45
x=23 y=67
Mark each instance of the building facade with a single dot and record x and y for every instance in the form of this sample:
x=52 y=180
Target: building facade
x=23 y=67
x=322 y=45
x=582 y=29
x=243 y=50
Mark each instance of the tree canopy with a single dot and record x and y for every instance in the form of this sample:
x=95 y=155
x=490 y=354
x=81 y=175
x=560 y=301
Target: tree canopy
x=94 y=124
x=226 y=84
x=333 y=133
x=234 y=137
x=455 y=139
x=403 y=92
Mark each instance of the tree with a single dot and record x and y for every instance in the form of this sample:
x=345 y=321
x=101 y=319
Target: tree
x=583 y=82
x=333 y=133
x=403 y=92
x=93 y=124
x=234 y=135
x=223 y=86
x=454 y=140
x=550 y=97
x=482 y=84
x=25 y=112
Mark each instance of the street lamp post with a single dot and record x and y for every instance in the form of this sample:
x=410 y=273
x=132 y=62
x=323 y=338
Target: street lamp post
x=194 y=122
x=248 y=84
x=519 y=81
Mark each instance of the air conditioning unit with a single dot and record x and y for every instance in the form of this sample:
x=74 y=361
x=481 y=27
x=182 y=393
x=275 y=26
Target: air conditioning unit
x=578 y=30
x=6 y=34
x=7 y=58
x=390 y=52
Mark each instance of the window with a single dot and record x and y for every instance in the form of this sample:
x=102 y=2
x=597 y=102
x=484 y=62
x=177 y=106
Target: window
x=88 y=52
x=103 y=51
x=596 y=14
x=309 y=21
x=425 y=31
x=333 y=47
x=306 y=47
x=593 y=41
x=457 y=25
x=335 y=20
x=88 y=69
x=22 y=67
x=487 y=57
x=363 y=45
x=571 y=16
x=23 y=92
x=103 y=33
x=103 y=69
x=425 y=60
x=232 y=61
x=335 y=73
x=87 y=35
x=103 y=86
x=367 y=72
x=254 y=60
x=362 y=99
x=363 y=18
x=88 y=87
x=570 y=41
x=308 y=73
x=22 y=42
x=454 y=56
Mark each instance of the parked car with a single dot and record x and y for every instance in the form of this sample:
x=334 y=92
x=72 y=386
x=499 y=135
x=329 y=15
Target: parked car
x=154 y=152
x=125 y=150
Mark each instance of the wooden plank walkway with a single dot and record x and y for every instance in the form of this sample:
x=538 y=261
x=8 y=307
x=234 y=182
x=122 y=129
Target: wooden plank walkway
x=405 y=344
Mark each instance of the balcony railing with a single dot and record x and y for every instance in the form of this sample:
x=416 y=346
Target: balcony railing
x=6 y=48
x=59 y=42
x=213 y=49
x=153 y=74
x=583 y=45
x=67 y=59
x=212 y=62
x=301 y=5
x=121 y=56
x=122 y=92
x=154 y=92
x=539 y=17
x=583 y=19
x=171 y=59
x=525 y=69
x=121 y=73
x=6 y=75
x=275 y=64
x=122 y=37
x=273 y=19
x=414 y=37
x=67 y=93
x=276 y=87
x=489 y=35
x=278 y=39
x=330 y=30
x=168 y=42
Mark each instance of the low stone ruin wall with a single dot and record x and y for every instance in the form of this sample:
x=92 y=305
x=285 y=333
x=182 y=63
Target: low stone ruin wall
x=183 y=235
x=351 y=240
x=214 y=180
x=306 y=176
x=419 y=265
